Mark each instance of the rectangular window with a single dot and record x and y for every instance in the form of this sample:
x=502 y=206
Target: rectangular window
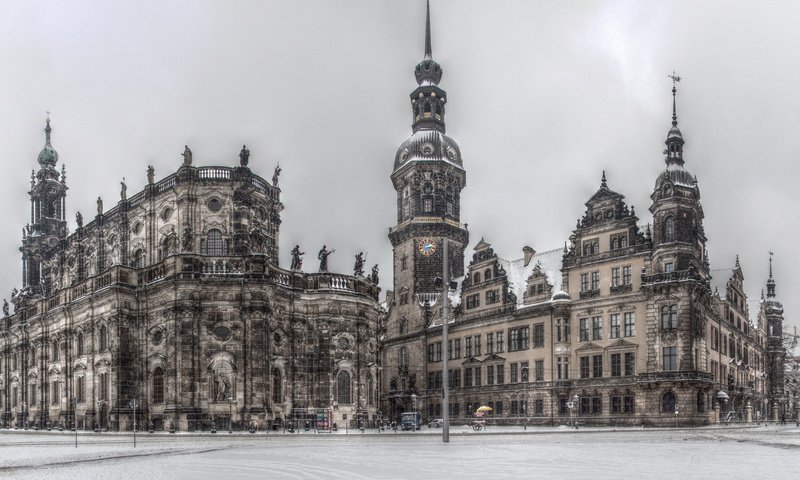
x=538 y=335
x=449 y=349
x=583 y=324
x=456 y=378
x=538 y=407
x=492 y=296
x=467 y=377
x=584 y=282
x=54 y=393
x=626 y=275
x=539 y=366
x=430 y=353
x=595 y=280
x=614 y=327
x=499 y=342
x=490 y=375
x=630 y=324
x=668 y=267
x=489 y=343
x=514 y=407
x=473 y=301
x=597 y=328
x=477 y=345
x=79 y=390
x=597 y=366
x=562 y=368
x=438 y=357
x=498 y=408
x=427 y=205
x=714 y=339
x=615 y=277
x=514 y=373
x=468 y=346
x=500 y=374
x=597 y=405
x=523 y=338
x=630 y=364
x=584 y=367
x=524 y=370
x=562 y=331
x=628 y=404
x=457 y=348
x=477 y=376
x=513 y=340
x=616 y=365
x=670 y=355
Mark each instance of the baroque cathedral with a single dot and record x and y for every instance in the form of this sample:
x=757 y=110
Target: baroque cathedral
x=171 y=304
x=170 y=309
x=627 y=324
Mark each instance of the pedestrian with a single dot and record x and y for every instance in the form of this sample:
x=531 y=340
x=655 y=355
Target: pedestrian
x=783 y=418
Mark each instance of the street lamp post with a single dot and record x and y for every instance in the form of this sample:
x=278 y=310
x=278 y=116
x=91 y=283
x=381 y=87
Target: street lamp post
x=231 y=401
x=576 y=400
x=133 y=405
x=525 y=397
x=676 y=416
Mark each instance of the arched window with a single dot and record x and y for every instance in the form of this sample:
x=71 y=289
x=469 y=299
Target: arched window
x=343 y=387
x=79 y=344
x=277 y=386
x=669 y=317
x=214 y=244
x=477 y=278
x=103 y=338
x=402 y=358
x=668 y=402
x=669 y=229
x=158 y=385
x=487 y=275
x=138 y=258
x=54 y=351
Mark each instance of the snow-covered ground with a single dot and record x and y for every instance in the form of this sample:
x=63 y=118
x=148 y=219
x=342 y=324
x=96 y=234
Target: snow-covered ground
x=502 y=452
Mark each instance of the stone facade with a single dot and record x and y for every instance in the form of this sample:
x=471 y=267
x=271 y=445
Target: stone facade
x=173 y=299
x=626 y=325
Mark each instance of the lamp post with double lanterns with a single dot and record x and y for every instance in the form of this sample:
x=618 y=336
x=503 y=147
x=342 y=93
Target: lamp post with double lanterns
x=525 y=396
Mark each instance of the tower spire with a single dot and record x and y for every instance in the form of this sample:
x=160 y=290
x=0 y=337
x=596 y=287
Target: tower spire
x=770 y=281
x=428 y=51
x=674 y=151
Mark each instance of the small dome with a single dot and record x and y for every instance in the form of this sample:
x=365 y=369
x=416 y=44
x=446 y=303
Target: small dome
x=428 y=72
x=48 y=156
x=428 y=145
x=677 y=175
x=674 y=133
x=561 y=296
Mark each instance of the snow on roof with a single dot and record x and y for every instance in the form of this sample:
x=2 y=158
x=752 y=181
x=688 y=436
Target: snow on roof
x=518 y=273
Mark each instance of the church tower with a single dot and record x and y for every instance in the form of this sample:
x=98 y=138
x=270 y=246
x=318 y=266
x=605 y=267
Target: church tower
x=48 y=224
x=772 y=314
x=428 y=176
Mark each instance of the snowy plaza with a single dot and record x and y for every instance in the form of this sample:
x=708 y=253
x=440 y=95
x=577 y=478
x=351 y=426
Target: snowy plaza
x=500 y=452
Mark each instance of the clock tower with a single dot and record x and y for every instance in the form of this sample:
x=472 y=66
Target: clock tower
x=428 y=176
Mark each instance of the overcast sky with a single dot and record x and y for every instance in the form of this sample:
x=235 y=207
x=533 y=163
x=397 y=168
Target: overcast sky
x=542 y=97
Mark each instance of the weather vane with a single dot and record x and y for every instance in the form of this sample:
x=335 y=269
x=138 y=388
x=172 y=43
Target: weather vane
x=675 y=78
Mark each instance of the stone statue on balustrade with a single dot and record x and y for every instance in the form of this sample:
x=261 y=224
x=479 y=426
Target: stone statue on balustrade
x=5 y=307
x=99 y=206
x=358 y=269
x=123 y=190
x=151 y=174
x=374 y=274
x=297 y=261
x=244 y=156
x=187 y=156
x=79 y=219
x=323 y=258
x=275 y=175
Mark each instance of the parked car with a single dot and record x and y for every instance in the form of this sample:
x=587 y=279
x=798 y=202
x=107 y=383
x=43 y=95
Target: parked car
x=437 y=423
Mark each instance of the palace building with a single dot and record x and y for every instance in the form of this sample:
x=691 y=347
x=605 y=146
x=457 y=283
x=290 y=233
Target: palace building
x=627 y=324
x=172 y=301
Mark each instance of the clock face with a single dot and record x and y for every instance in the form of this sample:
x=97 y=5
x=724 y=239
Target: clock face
x=427 y=246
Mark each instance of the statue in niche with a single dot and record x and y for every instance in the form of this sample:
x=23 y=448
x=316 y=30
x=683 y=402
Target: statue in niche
x=323 y=258
x=358 y=269
x=297 y=261
x=244 y=156
x=188 y=238
x=222 y=388
x=187 y=156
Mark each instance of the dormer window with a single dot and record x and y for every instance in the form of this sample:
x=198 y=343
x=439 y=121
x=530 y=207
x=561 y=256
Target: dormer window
x=591 y=247
x=476 y=278
x=487 y=275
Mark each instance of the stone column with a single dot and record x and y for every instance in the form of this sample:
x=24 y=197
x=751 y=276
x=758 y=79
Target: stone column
x=749 y=412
